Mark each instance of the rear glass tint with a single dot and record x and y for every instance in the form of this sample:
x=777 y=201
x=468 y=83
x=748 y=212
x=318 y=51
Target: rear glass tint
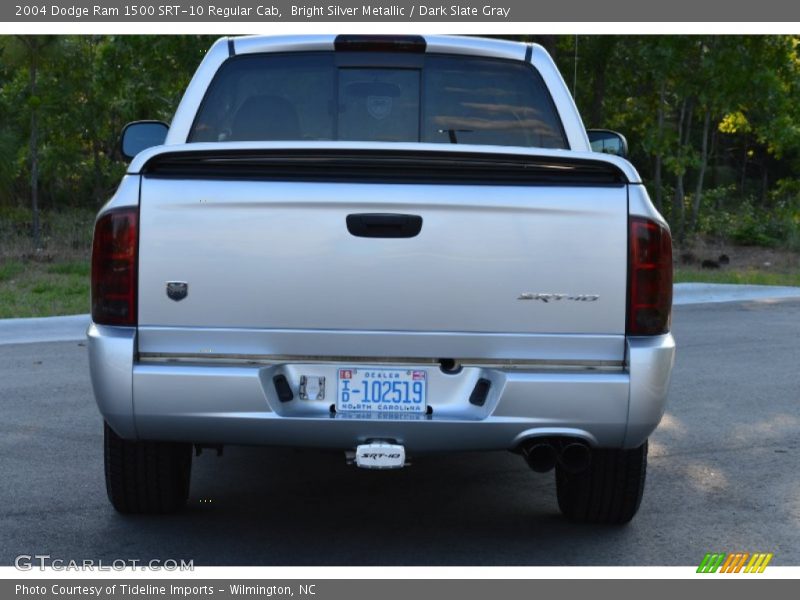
x=447 y=99
x=378 y=105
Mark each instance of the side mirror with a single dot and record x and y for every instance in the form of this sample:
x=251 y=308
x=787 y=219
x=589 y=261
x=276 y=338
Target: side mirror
x=610 y=142
x=140 y=135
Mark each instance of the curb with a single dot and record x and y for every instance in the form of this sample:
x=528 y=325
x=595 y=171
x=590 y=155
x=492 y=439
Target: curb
x=712 y=293
x=73 y=328
x=44 y=329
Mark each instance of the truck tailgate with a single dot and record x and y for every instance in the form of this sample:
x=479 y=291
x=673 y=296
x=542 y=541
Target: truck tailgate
x=496 y=271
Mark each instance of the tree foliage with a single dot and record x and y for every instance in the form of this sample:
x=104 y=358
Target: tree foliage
x=713 y=122
x=699 y=112
x=88 y=87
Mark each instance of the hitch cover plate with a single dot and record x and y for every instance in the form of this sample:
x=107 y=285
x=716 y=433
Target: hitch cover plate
x=380 y=455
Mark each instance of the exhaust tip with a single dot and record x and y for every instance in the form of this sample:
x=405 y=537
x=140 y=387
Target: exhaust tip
x=540 y=456
x=575 y=457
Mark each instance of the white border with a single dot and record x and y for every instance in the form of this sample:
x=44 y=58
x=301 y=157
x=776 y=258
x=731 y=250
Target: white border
x=278 y=574
x=291 y=28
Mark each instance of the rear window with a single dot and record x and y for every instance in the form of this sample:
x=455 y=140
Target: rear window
x=314 y=97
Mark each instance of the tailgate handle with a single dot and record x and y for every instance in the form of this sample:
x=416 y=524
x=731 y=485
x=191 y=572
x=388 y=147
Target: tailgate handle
x=384 y=225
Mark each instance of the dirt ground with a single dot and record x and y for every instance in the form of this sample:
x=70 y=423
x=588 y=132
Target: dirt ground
x=756 y=258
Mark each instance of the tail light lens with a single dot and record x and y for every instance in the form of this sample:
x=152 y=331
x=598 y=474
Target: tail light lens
x=114 y=251
x=380 y=43
x=650 y=283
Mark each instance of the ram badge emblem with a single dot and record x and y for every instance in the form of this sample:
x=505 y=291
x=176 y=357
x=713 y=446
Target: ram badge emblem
x=177 y=290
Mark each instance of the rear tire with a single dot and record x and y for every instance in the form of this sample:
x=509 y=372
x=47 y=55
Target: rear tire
x=145 y=477
x=608 y=491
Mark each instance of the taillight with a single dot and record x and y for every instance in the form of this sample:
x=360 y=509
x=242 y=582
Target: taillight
x=114 y=267
x=650 y=278
x=380 y=43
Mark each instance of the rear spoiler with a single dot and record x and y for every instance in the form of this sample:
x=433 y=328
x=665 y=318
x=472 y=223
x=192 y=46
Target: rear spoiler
x=383 y=163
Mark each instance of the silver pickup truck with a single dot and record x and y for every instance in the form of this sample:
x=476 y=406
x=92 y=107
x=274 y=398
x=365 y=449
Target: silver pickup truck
x=387 y=245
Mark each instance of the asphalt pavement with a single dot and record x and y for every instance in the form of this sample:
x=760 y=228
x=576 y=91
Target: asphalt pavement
x=723 y=476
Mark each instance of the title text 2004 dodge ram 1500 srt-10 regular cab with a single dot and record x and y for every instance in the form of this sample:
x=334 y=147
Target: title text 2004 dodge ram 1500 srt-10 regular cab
x=386 y=245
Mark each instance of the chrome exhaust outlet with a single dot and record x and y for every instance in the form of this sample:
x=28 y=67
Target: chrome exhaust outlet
x=575 y=457
x=540 y=456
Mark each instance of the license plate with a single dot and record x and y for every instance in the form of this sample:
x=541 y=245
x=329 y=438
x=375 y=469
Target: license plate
x=382 y=390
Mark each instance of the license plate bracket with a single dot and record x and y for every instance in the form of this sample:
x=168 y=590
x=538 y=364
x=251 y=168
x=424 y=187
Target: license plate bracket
x=382 y=390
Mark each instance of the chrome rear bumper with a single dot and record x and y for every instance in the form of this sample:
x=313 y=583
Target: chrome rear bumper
x=236 y=402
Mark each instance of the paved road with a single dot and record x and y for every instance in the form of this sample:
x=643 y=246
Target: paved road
x=723 y=476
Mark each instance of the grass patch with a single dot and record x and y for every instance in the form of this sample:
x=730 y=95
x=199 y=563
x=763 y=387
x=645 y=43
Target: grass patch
x=66 y=235
x=10 y=270
x=740 y=276
x=81 y=269
x=33 y=289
